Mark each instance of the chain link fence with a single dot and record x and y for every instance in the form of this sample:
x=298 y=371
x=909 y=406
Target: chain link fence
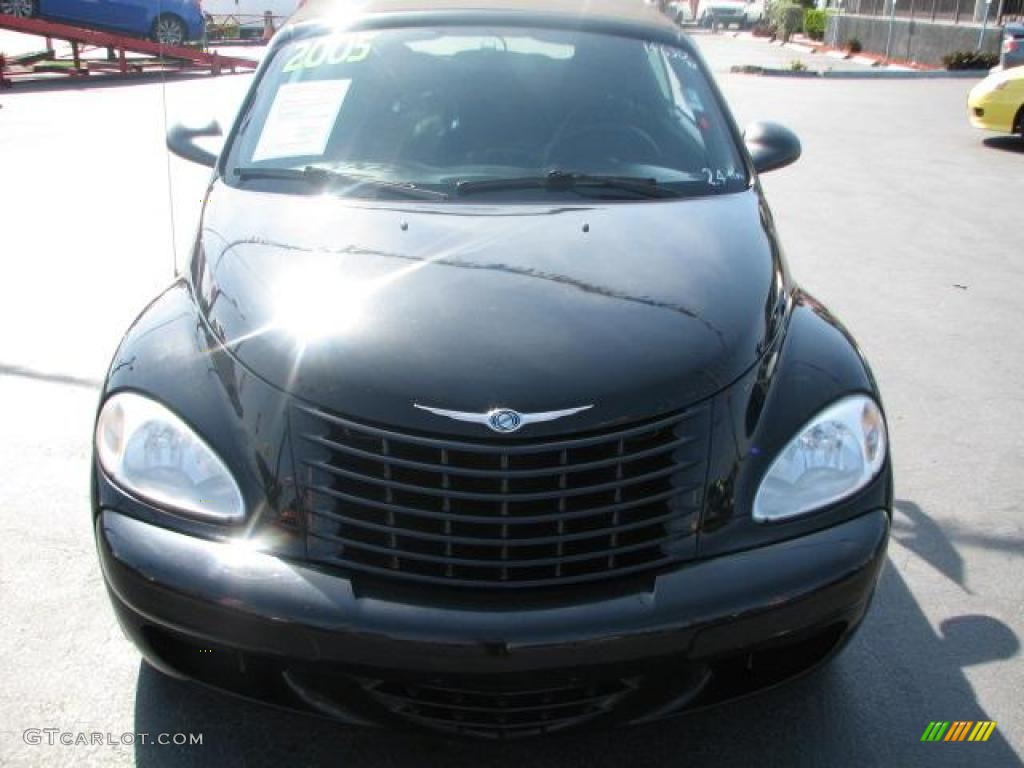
x=955 y=11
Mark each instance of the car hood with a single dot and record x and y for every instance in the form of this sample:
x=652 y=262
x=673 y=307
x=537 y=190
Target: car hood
x=366 y=308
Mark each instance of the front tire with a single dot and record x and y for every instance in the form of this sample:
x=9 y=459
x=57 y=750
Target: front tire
x=169 y=30
x=23 y=9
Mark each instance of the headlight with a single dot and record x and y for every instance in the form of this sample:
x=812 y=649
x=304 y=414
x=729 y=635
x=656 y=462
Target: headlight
x=152 y=453
x=836 y=454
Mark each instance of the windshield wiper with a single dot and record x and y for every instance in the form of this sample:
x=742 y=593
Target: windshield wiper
x=323 y=176
x=563 y=180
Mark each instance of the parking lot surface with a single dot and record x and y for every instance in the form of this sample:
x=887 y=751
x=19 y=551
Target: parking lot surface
x=900 y=217
x=730 y=48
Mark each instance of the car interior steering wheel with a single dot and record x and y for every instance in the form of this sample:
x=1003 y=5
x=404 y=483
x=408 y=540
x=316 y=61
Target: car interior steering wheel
x=632 y=133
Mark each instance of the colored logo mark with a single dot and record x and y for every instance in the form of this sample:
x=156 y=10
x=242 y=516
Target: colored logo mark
x=958 y=730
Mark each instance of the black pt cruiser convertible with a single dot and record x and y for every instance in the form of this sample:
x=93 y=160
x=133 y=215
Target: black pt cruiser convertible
x=487 y=403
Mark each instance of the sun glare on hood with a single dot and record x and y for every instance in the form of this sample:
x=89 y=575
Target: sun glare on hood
x=321 y=303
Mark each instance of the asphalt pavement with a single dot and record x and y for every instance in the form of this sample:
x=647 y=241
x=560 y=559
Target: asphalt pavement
x=900 y=217
x=730 y=48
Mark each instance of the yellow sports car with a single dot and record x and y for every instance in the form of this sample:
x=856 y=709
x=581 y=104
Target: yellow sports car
x=997 y=102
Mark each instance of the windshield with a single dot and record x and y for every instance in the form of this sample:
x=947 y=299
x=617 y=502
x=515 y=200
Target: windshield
x=449 y=112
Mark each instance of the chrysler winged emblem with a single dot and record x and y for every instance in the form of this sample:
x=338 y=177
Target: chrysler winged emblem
x=503 y=420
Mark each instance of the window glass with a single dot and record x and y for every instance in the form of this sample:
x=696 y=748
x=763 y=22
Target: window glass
x=440 y=107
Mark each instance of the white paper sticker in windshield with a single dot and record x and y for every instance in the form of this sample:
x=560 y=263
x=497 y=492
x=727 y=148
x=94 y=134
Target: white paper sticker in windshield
x=301 y=119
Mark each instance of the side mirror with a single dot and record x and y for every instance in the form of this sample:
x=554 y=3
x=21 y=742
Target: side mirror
x=771 y=146
x=181 y=141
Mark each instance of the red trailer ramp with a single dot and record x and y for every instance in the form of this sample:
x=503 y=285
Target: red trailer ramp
x=178 y=57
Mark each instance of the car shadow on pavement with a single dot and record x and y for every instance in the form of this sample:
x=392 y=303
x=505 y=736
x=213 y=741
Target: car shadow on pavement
x=913 y=529
x=1006 y=143
x=869 y=707
x=919 y=533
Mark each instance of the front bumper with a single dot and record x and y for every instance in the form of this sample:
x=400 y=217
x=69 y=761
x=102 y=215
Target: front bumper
x=992 y=111
x=293 y=635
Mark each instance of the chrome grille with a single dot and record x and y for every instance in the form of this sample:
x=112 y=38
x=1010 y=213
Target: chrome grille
x=502 y=512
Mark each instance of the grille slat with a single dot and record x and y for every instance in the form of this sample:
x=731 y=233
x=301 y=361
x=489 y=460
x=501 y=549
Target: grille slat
x=505 y=710
x=620 y=450
x=518 y=520
x=447 y=510
x=511 y=449
x=505 y=563
x=385 y=482
x=494 y=726
x=390 y=501
x=514 y=473
x=359 y=567
x=504 y=515
x=448 y=538
x=563 y=460
x=447 y=689
x=499 y=714
x=505 y=512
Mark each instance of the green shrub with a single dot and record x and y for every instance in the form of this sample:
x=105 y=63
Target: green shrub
x=797 y=66
x=970 y=60
x=787 y=18
x=814 y=24
x=853 y=45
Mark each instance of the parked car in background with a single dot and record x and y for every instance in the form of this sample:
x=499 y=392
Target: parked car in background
x=997 y=102
x=680 y=12
x=167 y=21
x=724 y=13
x=754 y=13
x=1013 y=46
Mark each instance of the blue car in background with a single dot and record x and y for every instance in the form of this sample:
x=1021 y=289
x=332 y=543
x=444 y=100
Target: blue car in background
x=167 y=21
x=1013 y=46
